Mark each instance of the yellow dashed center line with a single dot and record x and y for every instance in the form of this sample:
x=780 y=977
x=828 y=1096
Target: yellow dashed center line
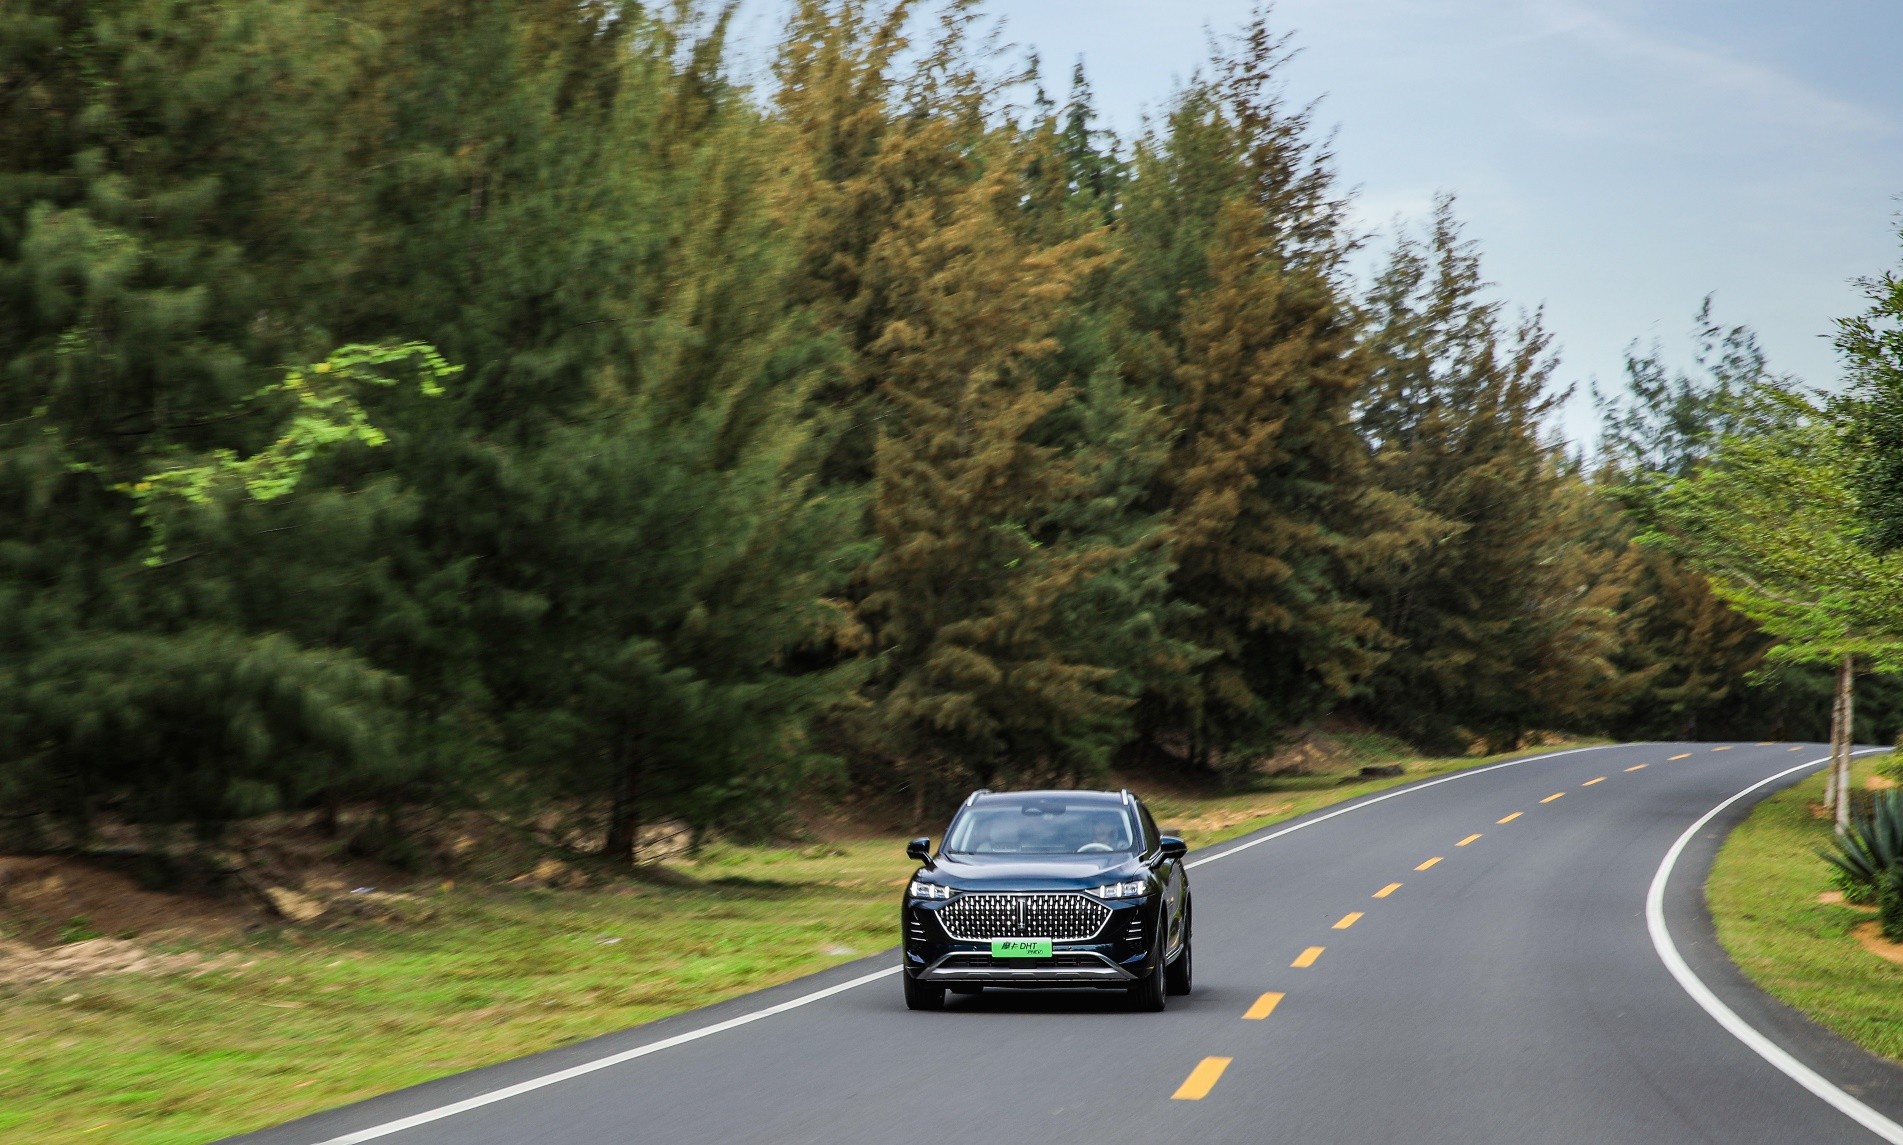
x=1553 y=796
x=1511 y=817
x=1766 y=742
x=1348 y=920
x=1686 y=755
x=1795 y=747
x=1384 y=892
x=1641 y=767
x=1727 y=747
x=1428 y=863
x=1307 y=957
x=1467 y=840
x=1264 y=1006
x=1590 y=782
x=1201 y=1080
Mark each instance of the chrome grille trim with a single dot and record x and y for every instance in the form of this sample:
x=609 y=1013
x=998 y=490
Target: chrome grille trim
x=1072 y=969
x=1061 y=916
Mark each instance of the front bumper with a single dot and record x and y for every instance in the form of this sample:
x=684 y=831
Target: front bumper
x=1064 y=968
x=1122 y=951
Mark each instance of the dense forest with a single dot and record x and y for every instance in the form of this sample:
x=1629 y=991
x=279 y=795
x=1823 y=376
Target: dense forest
x=503 y=404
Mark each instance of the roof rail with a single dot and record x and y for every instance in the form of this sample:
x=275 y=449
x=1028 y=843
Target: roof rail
x=977 y=793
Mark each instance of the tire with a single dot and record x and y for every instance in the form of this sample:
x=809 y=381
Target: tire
x=922 y=995
x=1177 y=974
x=1147 y=994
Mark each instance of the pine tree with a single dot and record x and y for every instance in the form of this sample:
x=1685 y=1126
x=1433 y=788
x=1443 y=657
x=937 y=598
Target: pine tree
x=1688 y=663
x=628 y=466
x=1017 y=602
x=1238 y=320
x=148 y=156
x=1668 y=421
x=1495 y=633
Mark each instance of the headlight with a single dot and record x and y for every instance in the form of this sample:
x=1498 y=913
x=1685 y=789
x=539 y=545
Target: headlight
x=929 y=891
x=1132 y=890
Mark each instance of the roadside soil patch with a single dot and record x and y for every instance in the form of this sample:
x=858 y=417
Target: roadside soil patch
x=43 y=898
x=1870 y=934
x=23 y=966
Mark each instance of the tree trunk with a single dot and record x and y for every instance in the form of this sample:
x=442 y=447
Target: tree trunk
x=624 y=816
x=1846 y=677
x=1836 y=742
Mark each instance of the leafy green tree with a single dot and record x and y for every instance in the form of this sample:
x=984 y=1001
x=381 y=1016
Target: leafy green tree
x=1872 y=345
x=1772 y=521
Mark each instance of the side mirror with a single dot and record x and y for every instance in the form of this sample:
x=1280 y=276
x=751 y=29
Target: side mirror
x=921 y=850
x=1173 y=848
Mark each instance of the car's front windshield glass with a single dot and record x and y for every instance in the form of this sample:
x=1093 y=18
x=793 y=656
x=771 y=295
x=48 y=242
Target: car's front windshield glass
x=1052 y=827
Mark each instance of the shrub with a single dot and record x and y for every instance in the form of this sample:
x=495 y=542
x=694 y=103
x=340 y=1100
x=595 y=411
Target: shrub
x=1869 y=846
x=1854 y=892
x=1890 y=903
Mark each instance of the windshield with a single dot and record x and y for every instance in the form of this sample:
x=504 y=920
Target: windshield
x=1044 y=828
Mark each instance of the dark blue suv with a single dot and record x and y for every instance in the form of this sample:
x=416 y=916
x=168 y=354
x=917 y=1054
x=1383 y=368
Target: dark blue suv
x=1048 y=888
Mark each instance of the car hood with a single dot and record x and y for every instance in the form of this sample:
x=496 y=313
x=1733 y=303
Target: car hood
x=1034 y=872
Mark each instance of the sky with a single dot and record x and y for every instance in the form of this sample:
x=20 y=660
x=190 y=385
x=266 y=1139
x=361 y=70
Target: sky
x=1617 y=160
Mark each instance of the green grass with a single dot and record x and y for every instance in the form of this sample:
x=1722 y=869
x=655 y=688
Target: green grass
x=300 y=1022
x=1764 y=892
x=348 y=1015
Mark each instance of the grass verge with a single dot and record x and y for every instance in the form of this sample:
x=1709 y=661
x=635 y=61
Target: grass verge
x=297 y=1021
x=1766 y=891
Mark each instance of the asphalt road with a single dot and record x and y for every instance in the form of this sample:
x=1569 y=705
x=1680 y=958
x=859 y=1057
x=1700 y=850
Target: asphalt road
x=1508 y=990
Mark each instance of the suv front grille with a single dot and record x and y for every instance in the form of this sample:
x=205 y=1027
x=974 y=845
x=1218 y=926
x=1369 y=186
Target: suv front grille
x=1061 y=917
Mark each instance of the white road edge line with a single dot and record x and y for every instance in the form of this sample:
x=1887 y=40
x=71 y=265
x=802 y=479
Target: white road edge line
x=1763 y=1046
x=1400 y=791
x=535 y=1083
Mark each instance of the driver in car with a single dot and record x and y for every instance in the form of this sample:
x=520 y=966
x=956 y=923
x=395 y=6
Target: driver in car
x=1107 y=835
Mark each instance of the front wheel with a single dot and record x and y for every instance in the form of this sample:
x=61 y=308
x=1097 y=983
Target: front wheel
x=1148 y=994
x=922 y=995
x=1177 y=976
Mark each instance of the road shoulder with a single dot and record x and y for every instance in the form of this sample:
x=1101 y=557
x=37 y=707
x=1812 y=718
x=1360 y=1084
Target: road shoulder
x=1742 y=891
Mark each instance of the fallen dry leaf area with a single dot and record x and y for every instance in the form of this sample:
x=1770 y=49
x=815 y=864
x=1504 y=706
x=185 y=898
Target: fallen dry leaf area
x=22 y=966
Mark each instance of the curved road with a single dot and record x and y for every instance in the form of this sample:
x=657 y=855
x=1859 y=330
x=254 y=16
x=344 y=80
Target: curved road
x=1464 y=960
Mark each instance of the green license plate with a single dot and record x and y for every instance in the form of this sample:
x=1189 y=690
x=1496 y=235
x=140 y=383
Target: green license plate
x=1020 y=948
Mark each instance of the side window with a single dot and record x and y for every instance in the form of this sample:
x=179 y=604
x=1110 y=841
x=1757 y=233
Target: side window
x=1151 y=835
